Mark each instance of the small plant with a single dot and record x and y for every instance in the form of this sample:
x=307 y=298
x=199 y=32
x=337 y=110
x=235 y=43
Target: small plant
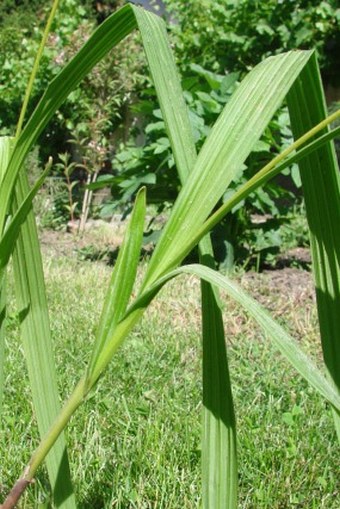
x=204 y=179
x=67 y=168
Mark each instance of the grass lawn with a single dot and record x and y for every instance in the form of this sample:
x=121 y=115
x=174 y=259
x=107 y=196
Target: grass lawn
x=136 y=441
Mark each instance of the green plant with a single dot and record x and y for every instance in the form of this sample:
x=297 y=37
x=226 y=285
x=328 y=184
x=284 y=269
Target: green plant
x=67 y=168
x=205 y=178
x=234 y=34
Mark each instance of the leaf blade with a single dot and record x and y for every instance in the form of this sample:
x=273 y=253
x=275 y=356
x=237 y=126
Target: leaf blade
x=37 y=342
x=288 y=346
x=5 y=154
x=122 y=281
x=11 y=234
x=321 y=187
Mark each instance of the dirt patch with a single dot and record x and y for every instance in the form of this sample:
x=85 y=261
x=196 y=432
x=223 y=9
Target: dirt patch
x=281 y=289
x=98 y=239
x=288 y=285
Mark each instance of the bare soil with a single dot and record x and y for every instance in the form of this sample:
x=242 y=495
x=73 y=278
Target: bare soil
x=101 y=240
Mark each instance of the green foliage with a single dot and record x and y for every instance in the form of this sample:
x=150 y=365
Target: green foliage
x=235 y=34
x=268 y=238
x=97 y=108
x=19 y=13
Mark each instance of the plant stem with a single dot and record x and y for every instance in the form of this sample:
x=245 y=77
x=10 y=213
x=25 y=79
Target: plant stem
x=91 y=179
x=35 y=68
x=48 y=441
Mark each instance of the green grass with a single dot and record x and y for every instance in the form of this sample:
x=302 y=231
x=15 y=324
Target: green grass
x=136 y=441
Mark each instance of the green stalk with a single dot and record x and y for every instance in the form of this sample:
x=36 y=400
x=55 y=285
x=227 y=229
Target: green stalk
x=58 y=426
x=35 y=68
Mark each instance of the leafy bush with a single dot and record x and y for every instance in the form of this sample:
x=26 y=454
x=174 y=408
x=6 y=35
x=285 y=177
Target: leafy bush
x=97 y=108
x=235 y=34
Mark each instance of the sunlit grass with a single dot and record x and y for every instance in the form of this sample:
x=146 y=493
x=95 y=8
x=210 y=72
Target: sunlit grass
x=136 y=442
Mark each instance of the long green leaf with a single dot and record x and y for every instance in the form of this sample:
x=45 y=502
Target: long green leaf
x=5 y=152
x=287 y=345
x=12 y=232
x=6 y=144
x=321 y=188
x=219 y=446
x=122 y=281
x=230 y=141
x=2 y=338
x=37 y=342
x=219 y=460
